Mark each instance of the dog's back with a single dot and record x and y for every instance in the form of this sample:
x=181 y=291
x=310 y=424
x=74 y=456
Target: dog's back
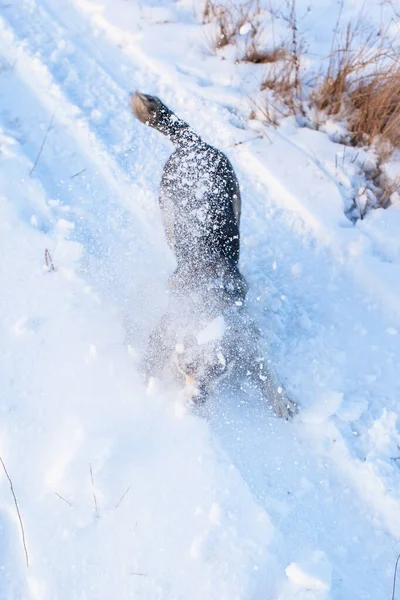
x=199 y=196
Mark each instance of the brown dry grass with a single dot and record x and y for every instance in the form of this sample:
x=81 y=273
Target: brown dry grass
x=346 y=63
x=283 y=79
x=362 y=85
x=230 y=19
x=376 y=103
x=359 y=80
x=258 y=56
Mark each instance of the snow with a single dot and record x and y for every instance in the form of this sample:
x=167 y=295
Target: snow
x=120 y=496
x=213 y=331
x=313 y=572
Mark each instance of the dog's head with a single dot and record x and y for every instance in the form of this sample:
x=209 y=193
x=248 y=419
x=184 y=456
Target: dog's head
x=150 y=110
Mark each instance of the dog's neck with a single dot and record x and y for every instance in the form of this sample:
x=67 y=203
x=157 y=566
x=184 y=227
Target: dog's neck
x=179 y=132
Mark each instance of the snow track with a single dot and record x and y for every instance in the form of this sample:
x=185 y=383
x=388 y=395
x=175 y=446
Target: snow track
x=215 y=508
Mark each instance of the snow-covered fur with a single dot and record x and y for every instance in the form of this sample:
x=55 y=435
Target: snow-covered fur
x=199 y=198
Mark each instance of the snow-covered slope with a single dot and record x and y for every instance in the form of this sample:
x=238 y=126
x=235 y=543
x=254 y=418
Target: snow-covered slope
x=119 y=496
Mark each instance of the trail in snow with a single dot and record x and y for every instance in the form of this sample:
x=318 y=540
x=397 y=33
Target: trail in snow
x=217 y=507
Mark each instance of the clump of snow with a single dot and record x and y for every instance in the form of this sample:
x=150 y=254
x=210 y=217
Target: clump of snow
x=213 y=331
x=326 y=404
x=245 y=28
x=313 y=572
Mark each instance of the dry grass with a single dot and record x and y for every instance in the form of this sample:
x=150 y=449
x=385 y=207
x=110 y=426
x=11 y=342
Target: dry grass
x=386 y=187
x=229 y=20
x=359 y=81
x=362 y=85
x=285 y=85
x=350 y=59
x=267 y=109
x=242 y=22
x=376 y=103
x=283 y=79
x=258 y=56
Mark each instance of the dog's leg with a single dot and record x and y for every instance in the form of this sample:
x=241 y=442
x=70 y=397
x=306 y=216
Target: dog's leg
x=274 y=393
x=208 y=381
x=235 y=283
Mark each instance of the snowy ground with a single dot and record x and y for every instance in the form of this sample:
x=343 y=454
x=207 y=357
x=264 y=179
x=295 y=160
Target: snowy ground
x=234 y=504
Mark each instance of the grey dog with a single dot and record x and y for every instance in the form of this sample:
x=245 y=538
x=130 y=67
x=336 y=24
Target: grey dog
x=201 y=205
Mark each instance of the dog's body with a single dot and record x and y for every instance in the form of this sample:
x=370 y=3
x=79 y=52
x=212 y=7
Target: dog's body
x=200 y=203
x=199 y=199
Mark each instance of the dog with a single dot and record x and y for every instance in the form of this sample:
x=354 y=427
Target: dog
x=199 y=199
x=201 y=205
